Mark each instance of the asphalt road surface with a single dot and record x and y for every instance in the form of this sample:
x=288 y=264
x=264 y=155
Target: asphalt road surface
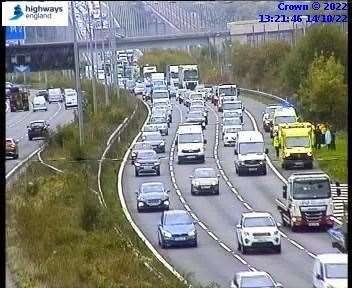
x=216 y=258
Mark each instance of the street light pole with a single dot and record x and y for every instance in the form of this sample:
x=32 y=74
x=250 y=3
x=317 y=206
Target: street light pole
x=115 y=75
x=107 y=102
x=77 y=78
x=92 y=61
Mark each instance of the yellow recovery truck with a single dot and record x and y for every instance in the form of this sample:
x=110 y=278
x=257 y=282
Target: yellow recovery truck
x=296 y=142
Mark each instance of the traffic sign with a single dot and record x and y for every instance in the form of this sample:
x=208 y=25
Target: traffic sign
x=21 y=68
x=15 y=33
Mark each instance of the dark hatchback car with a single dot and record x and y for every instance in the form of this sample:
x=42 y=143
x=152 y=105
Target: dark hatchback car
x=43 y=93
x=139 y=146
x=177 y=228
x=152 y=196
x=38 y=129
x=156 y=140
x=147 y=162
x=196 y=117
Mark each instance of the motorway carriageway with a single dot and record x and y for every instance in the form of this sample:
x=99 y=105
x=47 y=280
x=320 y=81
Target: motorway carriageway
x=216 y=258
x=16 y=127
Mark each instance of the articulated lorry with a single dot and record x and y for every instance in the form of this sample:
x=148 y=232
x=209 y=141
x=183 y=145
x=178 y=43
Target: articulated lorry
x=307 y=201
x=188 y=76
x=19 y=99
x=296 y=145
x=172 y=75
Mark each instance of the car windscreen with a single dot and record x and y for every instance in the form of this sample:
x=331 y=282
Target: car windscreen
x=204 y=173
x=298 y=142
x=152 y=137
x=152 y=187
x=178 y=219
x=311 y=189
x=196 y=108
x=37 y=125
x=336 y=271
x=228 y=91
x=195 y=114
x=284 y=119
x=258 y=222
x=232 y=121
x=231 y=114
x=190 y=74
x=146 y=155
x=141 y=146
x=54 y=91
x=157 y=94
x=259 y=281
x=190 y=138
x=251 y=147
x=232 y=130
x=232 y=106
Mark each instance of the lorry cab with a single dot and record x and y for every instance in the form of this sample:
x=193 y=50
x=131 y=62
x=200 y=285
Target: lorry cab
x=39 y=103
x=330 y=271
x=296 y=145
x=250 y=153
x=71 y=99
x=307 y=201
x=282 y=115
x=190 y=143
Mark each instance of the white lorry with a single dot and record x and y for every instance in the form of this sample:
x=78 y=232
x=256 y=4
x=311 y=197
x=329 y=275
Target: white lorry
x=188 y=76
x=71 y=99
x=172 y=75
x=307 y=201
x=158 y=79
x=147 y=71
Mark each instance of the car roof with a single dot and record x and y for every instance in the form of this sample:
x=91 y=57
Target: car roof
x=182 y=129
x=256 y=214
x=252 y=273
x=37 y=121
x=204 y=168
x=151 y=133
x=147 y=150
x=337 y=258
x=152 y=183
x=176 y=212
x=254 y=136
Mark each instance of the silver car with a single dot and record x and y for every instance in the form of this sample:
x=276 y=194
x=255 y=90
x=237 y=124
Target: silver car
x=204 y=180
x=152 y=196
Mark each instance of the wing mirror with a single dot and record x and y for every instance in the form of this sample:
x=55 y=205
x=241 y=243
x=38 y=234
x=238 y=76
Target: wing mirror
x=205 y=141
x=168 y=191
x=218 y=175
x=319 y=277
x=242 y=108
x=284 y=191
x=27 y=126
x=176 y=141
x=238 y=226
x=278 y=225
x=266 y=150
x=16 y=141
x=136 y=192
x=190 y=177
x=236 y=153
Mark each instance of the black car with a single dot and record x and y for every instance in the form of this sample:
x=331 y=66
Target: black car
x=38 y=129
x=156 y=140
x=43 y=93
x=152 y=196
x=196 y=117
x=147 y=162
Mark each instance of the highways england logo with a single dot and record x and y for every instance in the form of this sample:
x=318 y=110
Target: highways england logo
x=35 y=13
x=17 y=13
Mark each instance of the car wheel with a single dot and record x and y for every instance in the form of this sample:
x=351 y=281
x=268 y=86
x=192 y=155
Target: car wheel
x=139 y=209
x=283 y=220
x=30 y=138
x=239 y=248
x=158 y=172
x=264 y=171
x=136 y=173
x=239 y=172
x=278 y=249
x=195 y=244
x=244 y=249
x=192 y=191
x=15 y=156
x=310 y=165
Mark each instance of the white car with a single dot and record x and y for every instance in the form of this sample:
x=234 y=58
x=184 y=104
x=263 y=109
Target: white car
x=253 y=279
x=235 y=123
x=257 y=230
x=330 y=271
x=231 y=114
x=39 y=103
x=204 y=180
x=230 y=136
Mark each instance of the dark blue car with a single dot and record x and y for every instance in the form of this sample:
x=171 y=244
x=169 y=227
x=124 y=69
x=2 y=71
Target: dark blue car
x=177 y=229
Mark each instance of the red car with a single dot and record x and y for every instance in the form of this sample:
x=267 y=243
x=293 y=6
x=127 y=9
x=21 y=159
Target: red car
x=11 y=148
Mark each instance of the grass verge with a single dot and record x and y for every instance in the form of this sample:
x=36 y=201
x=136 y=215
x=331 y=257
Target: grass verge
x=334 y=162
x=58 y=235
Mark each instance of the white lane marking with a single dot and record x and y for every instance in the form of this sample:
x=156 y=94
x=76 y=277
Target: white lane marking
x=7 y=106
x=240 y=198
x=50 y=166
x=212 y=235
x=201 y=224
x=225 y=247
x=128 y=215
x=247 y=206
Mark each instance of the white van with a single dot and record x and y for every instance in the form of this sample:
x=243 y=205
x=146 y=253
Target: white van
x=39 y=103
x=55 y=95
x=71 y=99
x=190 y=143
x=250 y=153
x=330 y=270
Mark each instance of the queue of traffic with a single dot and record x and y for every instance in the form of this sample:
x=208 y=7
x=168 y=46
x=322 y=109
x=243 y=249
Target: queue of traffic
x=306 y=199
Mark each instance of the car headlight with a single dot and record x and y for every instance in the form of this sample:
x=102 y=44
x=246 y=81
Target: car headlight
x=192 y=233
x=196 y=183
x=137 y=164
x=276 y=232
x=166 y=202
x=167 y=234
x=309 y=154
x=134 y=154
x=214 y=183
x=156 y=163
x=240 y=163
x=162 y=143
x=246 y=233
x=140 y=204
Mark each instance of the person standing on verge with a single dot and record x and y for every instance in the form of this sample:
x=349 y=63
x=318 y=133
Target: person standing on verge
x=276 y=145
x=318 y=136
x=333 y=138
x=328 y=138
